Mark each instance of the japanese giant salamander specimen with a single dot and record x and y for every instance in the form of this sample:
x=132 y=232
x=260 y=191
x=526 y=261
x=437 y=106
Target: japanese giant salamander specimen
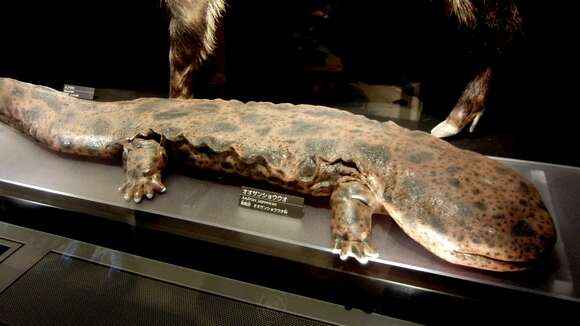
x=461 y=206
x=494 y=25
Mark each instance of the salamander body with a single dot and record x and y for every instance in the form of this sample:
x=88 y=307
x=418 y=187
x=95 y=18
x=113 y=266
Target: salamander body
x=461 y=206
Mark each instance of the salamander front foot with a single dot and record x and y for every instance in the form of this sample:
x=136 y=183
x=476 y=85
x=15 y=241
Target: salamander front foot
x=144 y=161
x=135 y=189
x=359 y=250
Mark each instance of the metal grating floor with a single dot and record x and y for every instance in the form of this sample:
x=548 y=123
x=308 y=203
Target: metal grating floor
x=61 y=290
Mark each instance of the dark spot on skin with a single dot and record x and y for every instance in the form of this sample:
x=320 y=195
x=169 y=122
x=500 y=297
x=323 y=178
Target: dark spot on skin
x=101 y=126
x=168 y=115
x=414 y=186
x=69 y=116
x=48 y=96
x=283 y=106
x=17 y=92
x=307 y=168
x=416 y=133
x=523 y=202
x=420 y=157
x=455 y=182
x=320 y=147
x=501 y=170
x=475 y=191
x=464 y=210
x=454 y=169
x=476 y=240
x=388 y=197
x=263 y=131
x=250 y=117
x=301 y=128
x=437 y=224
x=523 y=188
x=523 y=229
x=479 y=205
x=542 y=206
x=376 y=154
x=498 y=216
x=205 y=106
x=225 y=127
x=31 y=114
x=148 y=105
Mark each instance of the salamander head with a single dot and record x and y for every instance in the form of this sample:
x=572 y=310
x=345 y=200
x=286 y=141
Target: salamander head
x=471 y=210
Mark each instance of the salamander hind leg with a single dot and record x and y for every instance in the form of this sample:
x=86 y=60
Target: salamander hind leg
x=353 y=205
x=144 y=161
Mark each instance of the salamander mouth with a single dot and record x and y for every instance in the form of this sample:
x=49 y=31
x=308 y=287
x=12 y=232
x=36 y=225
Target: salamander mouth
x=489 y=263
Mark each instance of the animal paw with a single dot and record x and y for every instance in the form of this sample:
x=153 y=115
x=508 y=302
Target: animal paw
x=360 y=250
x=136 y=188
x=445 y=129
x=449 y=128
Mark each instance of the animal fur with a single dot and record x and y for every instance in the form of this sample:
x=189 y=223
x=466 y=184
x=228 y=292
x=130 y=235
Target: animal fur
x=192 y=39
x=493 y=23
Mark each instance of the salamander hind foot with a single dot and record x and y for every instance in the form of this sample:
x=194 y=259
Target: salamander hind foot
x=144 y=161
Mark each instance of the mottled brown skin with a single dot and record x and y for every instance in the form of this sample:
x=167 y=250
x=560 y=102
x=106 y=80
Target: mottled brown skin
x=461 y=206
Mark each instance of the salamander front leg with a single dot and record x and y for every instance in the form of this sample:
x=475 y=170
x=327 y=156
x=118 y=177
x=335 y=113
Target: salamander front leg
x=144 y=161
x=353 y=205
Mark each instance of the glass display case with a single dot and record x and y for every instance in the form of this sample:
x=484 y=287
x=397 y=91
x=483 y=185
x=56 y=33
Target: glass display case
x=407 y=62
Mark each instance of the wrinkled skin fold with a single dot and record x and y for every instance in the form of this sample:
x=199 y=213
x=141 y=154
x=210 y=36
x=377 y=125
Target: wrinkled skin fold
x=461 y=206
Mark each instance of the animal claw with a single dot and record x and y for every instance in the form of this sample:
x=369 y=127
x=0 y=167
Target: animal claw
x=369 y=251
x=359 y=250
x=137 y=188
x=345 y=252
x=444 y=129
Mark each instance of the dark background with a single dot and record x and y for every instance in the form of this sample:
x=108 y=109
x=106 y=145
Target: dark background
x=267 y=48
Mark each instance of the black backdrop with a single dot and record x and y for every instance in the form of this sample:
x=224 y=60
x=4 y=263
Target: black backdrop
x=123 y=44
